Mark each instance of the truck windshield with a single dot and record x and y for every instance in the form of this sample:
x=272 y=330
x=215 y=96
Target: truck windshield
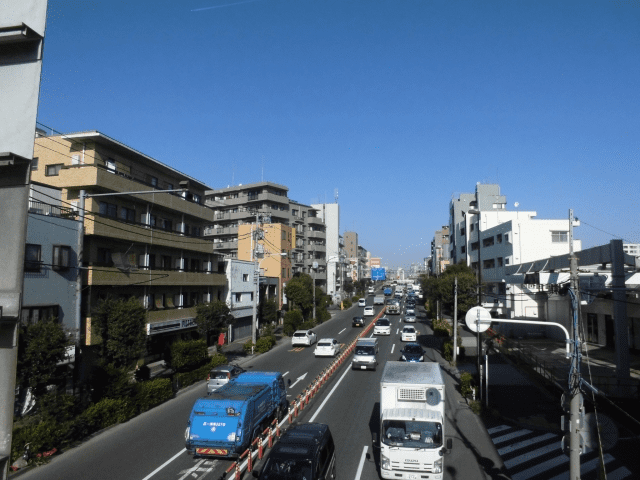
x=365 y=351
x=401 y=433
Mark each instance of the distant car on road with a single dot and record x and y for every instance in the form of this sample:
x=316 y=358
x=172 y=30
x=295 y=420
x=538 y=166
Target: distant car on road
x=409 y=334
x=382 y=327
x=327 y=347
x=304 y=337
x=410 y=311
x=410 y=318
x=371 y=290
x=220 y=375
x=412 y=352
x=362 y=302
x=358 y=322
x=368 y=311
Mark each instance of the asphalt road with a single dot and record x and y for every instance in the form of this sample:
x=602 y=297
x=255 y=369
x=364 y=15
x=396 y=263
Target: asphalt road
x=151 y=446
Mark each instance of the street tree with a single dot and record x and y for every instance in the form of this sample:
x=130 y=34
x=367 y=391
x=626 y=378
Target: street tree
x=268 y=310
x=441 y=288
x=41 y=347
x=299 y=292
x=121 y=326
x=213 y=318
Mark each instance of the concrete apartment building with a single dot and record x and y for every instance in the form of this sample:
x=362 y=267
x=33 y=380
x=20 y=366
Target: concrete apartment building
x=440 y=254
x=335 y=255
x=270 y=248
x=488 y=238
x=149 y=246
x=51 y=261
x=238 y=205
x=632 y=249
x=356 y=256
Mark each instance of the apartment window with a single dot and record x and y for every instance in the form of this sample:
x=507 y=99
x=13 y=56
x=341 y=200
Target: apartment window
x=32 y=257
x=559 y=237
x=195 y=231
x=294 y=212
x=53 y=170
x=475 y=246
x=487 y=242
x=34 y=163
x=462 y=232
x=500 y=261
x=196 y=198
x=167 y=224
x=153 y=181
x=491 y=263
x=127 y=214
x=284 y=273
x=238 y=297
x=32 y=315
x=463 y=249
x=506 y=261
x=108 y=209
x=506 y=237
x=499 y=238
x=104 y=257
x=195 y=265
x=166 y=262
x=61 y=257
x=245 y=277
x=110 y=163
x=169 y=186
x=472 y=227
x=152 y=261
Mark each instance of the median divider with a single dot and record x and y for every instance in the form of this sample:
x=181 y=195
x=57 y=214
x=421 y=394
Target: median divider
x=295 y=408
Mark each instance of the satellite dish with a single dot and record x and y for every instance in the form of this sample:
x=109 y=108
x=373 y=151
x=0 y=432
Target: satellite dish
x=517 y=204
x=478 y=319
x=433 y=396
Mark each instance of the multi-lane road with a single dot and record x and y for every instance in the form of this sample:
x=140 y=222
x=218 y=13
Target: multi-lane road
x=151 y=446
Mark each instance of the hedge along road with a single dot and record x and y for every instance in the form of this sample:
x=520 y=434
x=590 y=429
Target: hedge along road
x=135 y=449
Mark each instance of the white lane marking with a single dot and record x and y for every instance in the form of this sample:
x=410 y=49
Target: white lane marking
x=493 y=430
x=525 y=443
x=393 y=347
x=362 y=458
x=341 y=331
x=302 y=377
x=509 y=436
x=329 y=396
x=586 y=467
x=193 y=471
x=397 y=331
x=285 y=374
x=165 y=464
x=525 y=457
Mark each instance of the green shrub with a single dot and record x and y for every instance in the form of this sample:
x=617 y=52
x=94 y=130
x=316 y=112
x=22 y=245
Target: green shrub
x=292 y=321
x=107 y=412
x=447 y=352
x=308 y=324
x=150 y=394
x=42 y=437
x=466 y=384
x=346 y=303
x=355 y=299
x=188 y=354
x=60 y=407
x=264 y=344
x=108 y=381
x=441 y=328
x=249 y=347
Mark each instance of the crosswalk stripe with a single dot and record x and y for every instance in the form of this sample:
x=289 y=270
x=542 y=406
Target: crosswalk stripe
x=542 y=467
x=509 y=436
x=586 y=467
x=525 y=457
x=619 y=474
x=525 y=443
x=498 y=429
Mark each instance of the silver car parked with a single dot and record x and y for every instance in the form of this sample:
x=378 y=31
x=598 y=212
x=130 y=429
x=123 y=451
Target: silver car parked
x=220 y=375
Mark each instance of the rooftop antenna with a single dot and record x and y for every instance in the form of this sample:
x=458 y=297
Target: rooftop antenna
x=335 y=194
x=262 y=177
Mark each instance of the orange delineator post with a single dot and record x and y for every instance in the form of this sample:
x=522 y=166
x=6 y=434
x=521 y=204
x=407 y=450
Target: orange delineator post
x=260 y=451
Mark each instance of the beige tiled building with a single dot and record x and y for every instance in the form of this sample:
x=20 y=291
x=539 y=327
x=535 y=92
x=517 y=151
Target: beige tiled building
x=150 y=246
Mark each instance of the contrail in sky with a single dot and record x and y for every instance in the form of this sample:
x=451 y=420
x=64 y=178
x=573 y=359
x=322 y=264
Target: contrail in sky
x=222 y=6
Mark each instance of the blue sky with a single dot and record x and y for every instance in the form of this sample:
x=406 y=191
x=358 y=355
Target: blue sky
x=397 y=104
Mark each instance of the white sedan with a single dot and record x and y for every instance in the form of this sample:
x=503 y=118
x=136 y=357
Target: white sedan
x=362 y=302
x=327 y=347
x=368 y=311
x=304 y=337
x=409 y=334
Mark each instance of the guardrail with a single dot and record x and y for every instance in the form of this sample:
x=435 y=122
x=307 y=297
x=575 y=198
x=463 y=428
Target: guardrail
x=271 y=434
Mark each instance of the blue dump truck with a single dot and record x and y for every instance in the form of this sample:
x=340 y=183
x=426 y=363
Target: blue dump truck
x=224 y=423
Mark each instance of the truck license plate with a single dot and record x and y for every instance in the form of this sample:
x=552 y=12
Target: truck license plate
x=363 y=367
x=412 y=476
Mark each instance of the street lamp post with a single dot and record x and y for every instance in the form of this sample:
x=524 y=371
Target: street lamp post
x=474 y=211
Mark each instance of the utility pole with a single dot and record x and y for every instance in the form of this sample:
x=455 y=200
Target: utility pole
x=455 y=320
x=576 y=356
x=256 y=280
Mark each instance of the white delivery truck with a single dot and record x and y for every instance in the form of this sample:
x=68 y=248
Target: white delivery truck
x=412 y=421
